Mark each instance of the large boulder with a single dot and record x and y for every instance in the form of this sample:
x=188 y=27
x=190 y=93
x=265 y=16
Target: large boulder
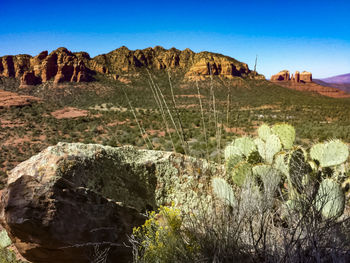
x=70 y=199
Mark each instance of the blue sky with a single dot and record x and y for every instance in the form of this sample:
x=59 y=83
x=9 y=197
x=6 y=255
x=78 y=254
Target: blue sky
x=294 y=35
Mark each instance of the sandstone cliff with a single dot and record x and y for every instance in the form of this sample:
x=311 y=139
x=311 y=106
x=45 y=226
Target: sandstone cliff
x=303 y=82
x=124 y=60
x=61 y=65
x=284 y=75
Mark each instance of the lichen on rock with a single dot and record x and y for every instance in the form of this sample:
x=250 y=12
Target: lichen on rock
x=55 y=199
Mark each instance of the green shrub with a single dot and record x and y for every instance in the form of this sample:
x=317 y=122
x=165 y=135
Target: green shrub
x=160 y=238
x=7 y=256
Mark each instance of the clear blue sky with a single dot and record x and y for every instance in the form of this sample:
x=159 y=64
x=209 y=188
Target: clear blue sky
x=294 y=35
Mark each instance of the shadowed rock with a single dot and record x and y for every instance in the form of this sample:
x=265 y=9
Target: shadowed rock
x=61 y=202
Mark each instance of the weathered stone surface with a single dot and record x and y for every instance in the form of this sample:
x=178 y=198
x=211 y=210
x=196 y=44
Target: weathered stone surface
x=29 y=78
x=194 y=64
x=62 y=65
x=71 y=195
x=283 y=75
x=8 y=67
x=305 y=76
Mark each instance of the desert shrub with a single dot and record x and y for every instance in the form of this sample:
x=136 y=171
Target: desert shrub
x=160 y=238
x=279 y=202
x=7 y=256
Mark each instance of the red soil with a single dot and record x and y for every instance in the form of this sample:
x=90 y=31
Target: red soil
x=313 y=87
x=69 y=112
x=11 y=99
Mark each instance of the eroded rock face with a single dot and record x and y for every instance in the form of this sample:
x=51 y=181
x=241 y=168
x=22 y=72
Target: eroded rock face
x=303 y=77
x=195 y=64
x=29 y=78
x=60 y=65
x=283 y=75
x=70 y=196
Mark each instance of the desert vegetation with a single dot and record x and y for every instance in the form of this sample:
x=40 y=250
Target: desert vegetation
x=279 y=202
x=241 y=105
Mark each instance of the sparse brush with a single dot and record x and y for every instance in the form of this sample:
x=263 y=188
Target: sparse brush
x=281 y=210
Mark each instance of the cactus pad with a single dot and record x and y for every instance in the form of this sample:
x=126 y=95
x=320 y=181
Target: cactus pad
x=223 y=190
x=331 y=153
x=241 y=172
x=264 y=131
x=330 y=199
x=245 y=144
x=286 y=133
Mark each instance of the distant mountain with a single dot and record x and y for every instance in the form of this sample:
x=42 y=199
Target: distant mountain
x=339 y=79
x=342 y=86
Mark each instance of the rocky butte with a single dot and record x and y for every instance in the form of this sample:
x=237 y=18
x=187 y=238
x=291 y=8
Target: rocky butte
x=284 y=75
x=303 y=82
x=62 y=65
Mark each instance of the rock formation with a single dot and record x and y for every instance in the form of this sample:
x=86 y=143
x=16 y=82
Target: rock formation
x=61 y=202
x=29 y=78
x=61 y=65
x=303 y=77
x=303 y=82
x=281 y=76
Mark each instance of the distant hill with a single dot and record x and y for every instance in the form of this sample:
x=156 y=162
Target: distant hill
x=342 y=86
x=339 y=79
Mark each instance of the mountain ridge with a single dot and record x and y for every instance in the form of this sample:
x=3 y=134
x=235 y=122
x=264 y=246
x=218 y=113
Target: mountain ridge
x=62 y=65
x=338 y=79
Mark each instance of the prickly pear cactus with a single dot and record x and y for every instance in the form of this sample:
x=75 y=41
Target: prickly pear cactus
x=241 y=172
x=245 y=145
x=223 y=190
x=331 y=153
x=281 y=163
x=232 y=161
x=286 y=133
x=267 y=149
x=231 y=150
x=315 y=175
x=264 y=131
x=330 y=199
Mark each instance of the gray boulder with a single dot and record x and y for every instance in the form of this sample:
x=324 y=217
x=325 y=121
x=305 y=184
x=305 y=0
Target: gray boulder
x=71 y=199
